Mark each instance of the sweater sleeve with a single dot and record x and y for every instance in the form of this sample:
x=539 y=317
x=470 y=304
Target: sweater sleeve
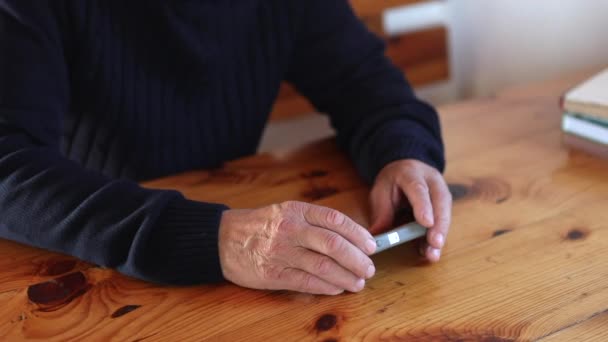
x=341 y=67
x=49 y=201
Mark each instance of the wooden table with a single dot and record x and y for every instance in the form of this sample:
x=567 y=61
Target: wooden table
x=527 y=257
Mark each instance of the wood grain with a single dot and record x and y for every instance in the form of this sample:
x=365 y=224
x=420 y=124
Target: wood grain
x=525 y=259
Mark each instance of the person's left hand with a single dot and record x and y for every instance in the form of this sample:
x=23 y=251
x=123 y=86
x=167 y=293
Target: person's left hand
x=427 y=192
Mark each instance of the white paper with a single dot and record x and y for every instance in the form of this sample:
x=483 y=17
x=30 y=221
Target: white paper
x=393 y=238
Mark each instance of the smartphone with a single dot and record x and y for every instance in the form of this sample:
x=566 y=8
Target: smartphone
x=399 y=235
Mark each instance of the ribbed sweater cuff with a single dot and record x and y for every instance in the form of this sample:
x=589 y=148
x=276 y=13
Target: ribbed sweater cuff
x=407 y=149
x=391 y=144
x=185 y=243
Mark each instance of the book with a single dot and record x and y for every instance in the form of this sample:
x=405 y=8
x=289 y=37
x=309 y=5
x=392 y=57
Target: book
x=586 y=127
x=589 y=98
x=585 y=145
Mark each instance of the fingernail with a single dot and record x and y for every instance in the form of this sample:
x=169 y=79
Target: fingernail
x=370 y=246
x=359 y=285
x=370 y=271
x=436 y=253
x=439 y=240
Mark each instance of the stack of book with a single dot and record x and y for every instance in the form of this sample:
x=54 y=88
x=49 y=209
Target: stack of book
x=585 y=118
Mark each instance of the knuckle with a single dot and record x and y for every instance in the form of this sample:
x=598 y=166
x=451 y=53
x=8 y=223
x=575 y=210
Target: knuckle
x=418 y=186
x=334 y=243
x=362 y=266
x=275 y=249
x=291 y=206
x=431 y=170
x=335 y=217
x=324 y=266
x=307 y=283
x=275 y=209
x=442 y=187
x=444 y=220
x=351 y=228
x=272 y=272
x=355 y=232
x=285 y=226
x=403 y=178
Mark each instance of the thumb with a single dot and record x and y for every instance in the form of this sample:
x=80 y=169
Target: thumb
x=382 y=208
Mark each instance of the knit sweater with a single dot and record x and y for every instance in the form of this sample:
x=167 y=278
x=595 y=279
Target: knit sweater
x=98 y=95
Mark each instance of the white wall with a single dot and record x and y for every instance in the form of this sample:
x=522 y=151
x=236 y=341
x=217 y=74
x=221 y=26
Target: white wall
x=500 y=43
x=494 y=44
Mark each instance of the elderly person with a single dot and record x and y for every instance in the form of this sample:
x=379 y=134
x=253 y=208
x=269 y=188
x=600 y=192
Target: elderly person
x=97 y=95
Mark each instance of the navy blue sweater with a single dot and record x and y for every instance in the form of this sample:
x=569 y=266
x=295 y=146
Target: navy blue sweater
x=97 y=95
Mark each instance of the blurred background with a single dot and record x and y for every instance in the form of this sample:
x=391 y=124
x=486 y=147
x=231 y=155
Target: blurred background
x=499 y=43
x=453 y=50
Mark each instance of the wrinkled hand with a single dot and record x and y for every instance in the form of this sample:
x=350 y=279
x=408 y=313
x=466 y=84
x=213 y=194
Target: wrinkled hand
x=295 y=246
x=427 y=192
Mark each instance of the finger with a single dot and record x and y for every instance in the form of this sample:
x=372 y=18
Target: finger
x=327 y=269
x=336 y=221
x=417 y=193
x=300 y=281
x=383 y=207
x=427 y=251
x=335 y=246
x=442 y=205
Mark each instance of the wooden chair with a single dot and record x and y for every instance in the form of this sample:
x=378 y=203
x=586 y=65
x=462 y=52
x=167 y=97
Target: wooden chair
x=422 y=55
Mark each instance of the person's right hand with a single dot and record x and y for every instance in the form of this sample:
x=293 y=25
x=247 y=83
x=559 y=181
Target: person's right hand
x=295 y=246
